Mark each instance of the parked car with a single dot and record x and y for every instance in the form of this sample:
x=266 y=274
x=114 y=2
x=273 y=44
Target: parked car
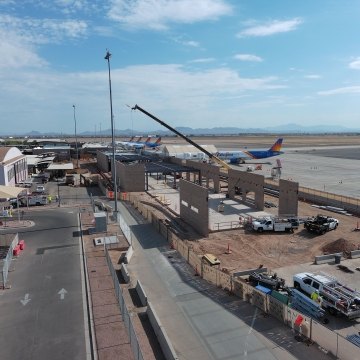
x=40 y=189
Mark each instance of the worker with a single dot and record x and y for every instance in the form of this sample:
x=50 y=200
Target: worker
x=315 y=295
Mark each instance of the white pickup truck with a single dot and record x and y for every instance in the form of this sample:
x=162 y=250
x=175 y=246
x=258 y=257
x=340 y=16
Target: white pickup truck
x=273 y=224
x=335 y=297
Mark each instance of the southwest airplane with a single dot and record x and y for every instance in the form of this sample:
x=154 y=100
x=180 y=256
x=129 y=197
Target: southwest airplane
x=153 y=145
x=236 y=157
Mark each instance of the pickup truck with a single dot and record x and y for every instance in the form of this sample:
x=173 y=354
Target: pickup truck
x=320 y=224
x=335 y=297
x=273 y=224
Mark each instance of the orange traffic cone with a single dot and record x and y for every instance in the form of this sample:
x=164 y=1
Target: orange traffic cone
x=228 y=251
x=196 y=271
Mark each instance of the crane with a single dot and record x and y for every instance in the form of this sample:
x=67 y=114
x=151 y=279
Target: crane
x=222 y=163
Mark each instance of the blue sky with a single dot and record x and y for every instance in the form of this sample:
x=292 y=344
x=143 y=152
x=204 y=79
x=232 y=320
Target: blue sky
x=197 y=63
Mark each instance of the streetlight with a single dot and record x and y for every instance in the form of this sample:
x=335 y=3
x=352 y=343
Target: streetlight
x=113 y=170
x=76 y=143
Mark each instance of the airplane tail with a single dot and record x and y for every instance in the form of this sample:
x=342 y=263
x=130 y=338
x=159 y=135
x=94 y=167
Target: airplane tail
x=132 y=138
x=139 y=139
x=158 y=140
x=277 y=145
x=148 y=139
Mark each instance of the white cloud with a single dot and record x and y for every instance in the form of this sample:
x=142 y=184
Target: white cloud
x=156 y=87
x=312 y=76
x=17 y=53
x=271 y=28
x=202 y=60
x=158 y=14
x=248 y=57
x=42 y=31
x=355 y=64
x=342 y=90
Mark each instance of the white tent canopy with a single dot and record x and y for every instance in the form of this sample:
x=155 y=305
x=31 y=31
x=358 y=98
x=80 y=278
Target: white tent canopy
x=8 y=192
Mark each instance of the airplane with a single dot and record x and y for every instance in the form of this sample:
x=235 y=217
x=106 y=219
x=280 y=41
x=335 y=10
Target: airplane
x=125 y=143
x=236 y=157
x=133 y=144
x=153 y=145
x=138 y=144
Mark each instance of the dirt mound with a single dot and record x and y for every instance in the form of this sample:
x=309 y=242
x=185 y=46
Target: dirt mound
x=340 y=245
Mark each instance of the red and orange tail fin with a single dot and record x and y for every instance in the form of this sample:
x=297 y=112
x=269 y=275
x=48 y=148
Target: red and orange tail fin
x=277 y=145
x=158 y=140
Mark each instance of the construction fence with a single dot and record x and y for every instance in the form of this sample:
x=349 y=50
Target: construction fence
x=332 y=342
x=7 y=245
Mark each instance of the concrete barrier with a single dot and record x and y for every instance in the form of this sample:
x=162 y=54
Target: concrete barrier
x=323 y=259
x=128 y=255
x=125 y=273
x=354 y=254
x=108 y=208
x=99 y=204
x=160 y=332
x=141 y=293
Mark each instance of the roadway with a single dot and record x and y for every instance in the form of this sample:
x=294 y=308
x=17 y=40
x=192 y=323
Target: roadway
x=42 y=315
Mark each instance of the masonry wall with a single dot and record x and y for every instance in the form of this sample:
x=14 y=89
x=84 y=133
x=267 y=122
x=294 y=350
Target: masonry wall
x=207 y=171
x=288 y=198
x=130 y=177
x=102 y=161
x=194 y=206
x=247 y=182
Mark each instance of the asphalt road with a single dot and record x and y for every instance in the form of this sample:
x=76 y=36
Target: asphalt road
x=42 y=315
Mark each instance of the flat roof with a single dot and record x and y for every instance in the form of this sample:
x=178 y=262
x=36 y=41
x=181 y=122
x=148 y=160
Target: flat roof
x=59 y=166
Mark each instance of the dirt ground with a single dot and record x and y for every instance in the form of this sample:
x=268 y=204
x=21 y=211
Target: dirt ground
x=273 y=250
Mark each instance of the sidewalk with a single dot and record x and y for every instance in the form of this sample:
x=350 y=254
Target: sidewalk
x=15 y=224
x=112 y=341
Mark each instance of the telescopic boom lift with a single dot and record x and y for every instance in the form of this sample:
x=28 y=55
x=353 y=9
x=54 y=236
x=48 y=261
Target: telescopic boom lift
x=209 y=154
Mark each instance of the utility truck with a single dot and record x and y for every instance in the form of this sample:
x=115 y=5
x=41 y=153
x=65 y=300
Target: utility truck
x=334 y=296
x=274 y=224
x=34 y=200
x=320 y=224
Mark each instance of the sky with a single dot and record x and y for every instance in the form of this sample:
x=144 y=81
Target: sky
x=194 y=63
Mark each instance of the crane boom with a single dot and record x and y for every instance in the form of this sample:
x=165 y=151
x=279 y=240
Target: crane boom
x=209 y=154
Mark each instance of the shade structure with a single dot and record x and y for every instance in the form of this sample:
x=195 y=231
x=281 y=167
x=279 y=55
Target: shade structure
x=8 y=192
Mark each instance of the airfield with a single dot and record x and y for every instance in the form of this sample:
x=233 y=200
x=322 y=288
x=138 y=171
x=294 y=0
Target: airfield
x=327 y=163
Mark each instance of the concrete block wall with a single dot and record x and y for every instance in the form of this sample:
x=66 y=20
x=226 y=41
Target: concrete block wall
x=102 y=161
x=207 y=171
x=276 y=308
x=194 y=206
x=247 y=182
x=131 y=178
x=259 y=300
x=288 y=198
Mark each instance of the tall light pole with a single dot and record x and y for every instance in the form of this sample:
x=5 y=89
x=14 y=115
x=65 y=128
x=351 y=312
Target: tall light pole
x=113 y=170
x=76 y=142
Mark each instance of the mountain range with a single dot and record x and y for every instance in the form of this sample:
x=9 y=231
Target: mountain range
x=281 y=129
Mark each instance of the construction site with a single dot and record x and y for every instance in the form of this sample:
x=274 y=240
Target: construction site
x=207 y=213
